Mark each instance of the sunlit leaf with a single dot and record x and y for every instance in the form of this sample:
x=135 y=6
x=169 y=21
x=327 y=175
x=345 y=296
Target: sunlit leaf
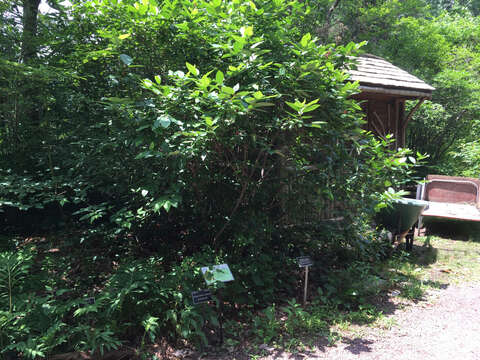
x=192 y=69
x=219 y=77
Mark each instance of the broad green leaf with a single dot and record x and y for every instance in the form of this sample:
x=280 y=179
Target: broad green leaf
x=262 y=104
x=147 y=83
x=246 y=31
x=192 y=69
x=295 y=106
x=305 y=40
x=219 y=77
x=310 y=108
x=167 y=205
x=258 y=95
x=204 y=82
x=317 y=124
x=228 y=90
x=127 y=60
x=238 y=46
x=163 y=120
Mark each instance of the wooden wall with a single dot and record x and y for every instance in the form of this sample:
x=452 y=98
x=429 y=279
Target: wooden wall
x=386 y=115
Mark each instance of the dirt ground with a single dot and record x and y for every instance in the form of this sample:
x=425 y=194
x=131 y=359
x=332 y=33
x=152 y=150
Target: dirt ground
x=444 y=326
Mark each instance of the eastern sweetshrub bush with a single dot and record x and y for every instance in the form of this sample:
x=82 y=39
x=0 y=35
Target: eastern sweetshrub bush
x=191 y=133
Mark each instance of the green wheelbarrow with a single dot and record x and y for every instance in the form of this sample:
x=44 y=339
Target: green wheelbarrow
x=400 y=219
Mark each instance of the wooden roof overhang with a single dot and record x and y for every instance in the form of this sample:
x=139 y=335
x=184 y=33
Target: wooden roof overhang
x=386 y=87
x=379 y=77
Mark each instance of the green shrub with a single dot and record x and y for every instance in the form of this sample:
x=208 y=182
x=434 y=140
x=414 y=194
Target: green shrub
x=184 y=134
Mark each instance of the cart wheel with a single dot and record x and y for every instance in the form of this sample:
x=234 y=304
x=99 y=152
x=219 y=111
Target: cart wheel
x=409 y=242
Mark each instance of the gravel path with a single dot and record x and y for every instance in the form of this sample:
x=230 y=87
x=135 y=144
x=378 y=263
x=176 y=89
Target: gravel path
x=446 y=326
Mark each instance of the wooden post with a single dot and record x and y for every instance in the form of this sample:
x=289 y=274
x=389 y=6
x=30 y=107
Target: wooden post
x=305 y=289
x=410 y=114
x=397 y=142
x=389 y=119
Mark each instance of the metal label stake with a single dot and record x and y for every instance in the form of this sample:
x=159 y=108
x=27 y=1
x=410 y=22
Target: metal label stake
x=306 y=286
x=306 y=262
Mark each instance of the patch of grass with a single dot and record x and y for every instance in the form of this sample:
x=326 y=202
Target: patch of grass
x=386 y=323
x=434 y=263
x=456 y=261
x=413 y=290
x=364 y=315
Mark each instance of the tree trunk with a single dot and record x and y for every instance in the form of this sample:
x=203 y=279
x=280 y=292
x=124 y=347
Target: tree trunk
x=30 y=24
x=30 y=108
x=325 y=29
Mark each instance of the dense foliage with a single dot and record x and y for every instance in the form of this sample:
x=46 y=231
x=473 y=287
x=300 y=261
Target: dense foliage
x=158 y=137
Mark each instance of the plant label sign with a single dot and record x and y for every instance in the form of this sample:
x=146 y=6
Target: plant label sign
x=215 y=273
x=304 y=261
x=201 y=296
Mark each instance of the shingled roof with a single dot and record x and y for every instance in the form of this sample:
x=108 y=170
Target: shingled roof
x=376 y=75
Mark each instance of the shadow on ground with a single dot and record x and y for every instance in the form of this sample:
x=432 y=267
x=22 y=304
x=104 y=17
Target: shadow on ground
x=454 y=229
x=423 y=254
x=357 y=345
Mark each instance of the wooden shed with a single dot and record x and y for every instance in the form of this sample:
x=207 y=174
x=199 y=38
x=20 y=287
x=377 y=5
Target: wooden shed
x=385 y=88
